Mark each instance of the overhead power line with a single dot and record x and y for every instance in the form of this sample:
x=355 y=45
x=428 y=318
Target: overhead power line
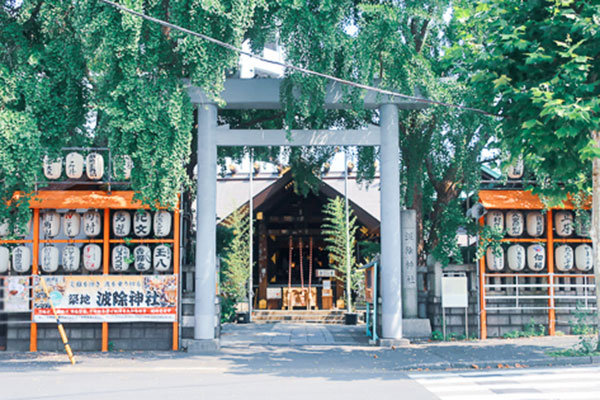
x=294 y=67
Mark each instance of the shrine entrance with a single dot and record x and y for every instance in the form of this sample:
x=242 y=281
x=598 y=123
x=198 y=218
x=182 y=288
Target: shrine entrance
x=293 y=268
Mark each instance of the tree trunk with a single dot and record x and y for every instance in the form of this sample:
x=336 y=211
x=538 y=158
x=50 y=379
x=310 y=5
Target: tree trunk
x=596 y=226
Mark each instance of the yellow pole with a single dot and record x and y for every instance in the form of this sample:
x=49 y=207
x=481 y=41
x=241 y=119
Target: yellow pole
x=61 y=329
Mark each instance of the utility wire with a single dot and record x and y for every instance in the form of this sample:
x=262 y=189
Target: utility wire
x=294 y=67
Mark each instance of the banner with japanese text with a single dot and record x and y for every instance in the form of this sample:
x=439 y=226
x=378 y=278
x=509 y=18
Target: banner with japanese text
x=107 y=298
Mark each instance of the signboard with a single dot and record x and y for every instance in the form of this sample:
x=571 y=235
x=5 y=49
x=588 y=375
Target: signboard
x=273 y=293
x=16 y=293
x=454 y=290
x=325 y=273
x=107 y=298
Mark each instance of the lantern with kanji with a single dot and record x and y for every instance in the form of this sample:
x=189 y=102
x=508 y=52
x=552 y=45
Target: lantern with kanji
x=71 y=256
x=162 y=258
x=21 y=259
x=536 y=257
x=121 y=223
x=535 y=224
x=71 y=224
x=142 y=223
x=94 y=166
x=52 y=168
x=563 y=258
x=516 y=169
x=514 y=223
x=563 y=222
x=162 y=223
x=4 y=259
x=74 y=165
x=122 y=166
x=495 y=220
x=516 y=257
x=51 y=223
x=92 y=224
x=49 y=259
x=584 y=260
x=120 y=258
x=142 y=258
x=92 y=257
x=495 y=259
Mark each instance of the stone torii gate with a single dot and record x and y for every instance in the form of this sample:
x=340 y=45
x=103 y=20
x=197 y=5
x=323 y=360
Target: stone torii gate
x=262 y=94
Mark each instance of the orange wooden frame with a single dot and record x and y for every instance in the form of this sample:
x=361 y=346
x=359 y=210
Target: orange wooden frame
x=99 y=200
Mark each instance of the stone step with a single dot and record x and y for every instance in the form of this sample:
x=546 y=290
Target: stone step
x=299 y=316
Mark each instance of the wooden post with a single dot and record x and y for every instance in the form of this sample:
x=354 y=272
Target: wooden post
x=482 y=312
x=263 y=262
x=34 y=271
x=550 y=255
x=105 y=269
x=176 y=260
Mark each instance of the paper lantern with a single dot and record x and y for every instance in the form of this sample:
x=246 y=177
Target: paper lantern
x=583 y=225
x=563 y=258
x=21 y=259
x=121 y=223
x=71 y=224
x=162 y=258
x=92 y=257
x=120 y=258
x=49 y=258
x=162 y=223
x=92 y=223
x=22 y=229
x=584 y=260
x=50 y=223
x=515 y=171
x=536 y=257
x=495 y=262
x=563 y=223
x=94 y=166
x=142 y=223
x=514 y=223
x=122 y=166
x=52 y=168
x=4 y=228
x=4 y=259
x=495 y=220
x=74 y=165
x=516 y=257
x=142 y=258
x=71 y=256
x=535 y=224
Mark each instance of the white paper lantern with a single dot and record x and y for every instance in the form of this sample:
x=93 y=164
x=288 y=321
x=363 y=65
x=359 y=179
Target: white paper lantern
x=162 y=258
x=71 y=224
x=563 y=258
x=71 y=256
x=535 y=224
x=515 y=171
x=162 y=223
x=495 y=262
x=4 y=259
x=121 y=223
x=142 y=256
x=563 y=223
x=142 y=223
x=92 y=223
x=584 y=260
x=51 y=223
x=122 y=165
x=536 y=257
x=583 y=225
x=22 y=230
x=92 y=257
x=94 y=166
x=74 y=165
x=4 y=228
x=514 y=223
x=49 y=258
x=120 y=258
x=516 y=257
x=52 y=168
x=21 y=259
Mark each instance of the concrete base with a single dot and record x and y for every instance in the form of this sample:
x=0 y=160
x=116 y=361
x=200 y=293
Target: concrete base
x=201 y=346
x=416 y=328
x=393 y=342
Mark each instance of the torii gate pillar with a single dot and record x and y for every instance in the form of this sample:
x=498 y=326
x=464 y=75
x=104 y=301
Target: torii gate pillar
x=391 y=279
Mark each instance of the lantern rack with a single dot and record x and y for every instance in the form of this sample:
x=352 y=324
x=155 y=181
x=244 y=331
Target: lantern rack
x=102 y=201
x=525 y=288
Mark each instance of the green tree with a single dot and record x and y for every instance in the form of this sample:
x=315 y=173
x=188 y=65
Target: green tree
x=235 y=263
x=340 y=237
x=536 y=64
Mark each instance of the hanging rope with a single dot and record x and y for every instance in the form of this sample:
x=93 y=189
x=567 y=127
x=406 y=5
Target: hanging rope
x=290 y=275
x=310 y=265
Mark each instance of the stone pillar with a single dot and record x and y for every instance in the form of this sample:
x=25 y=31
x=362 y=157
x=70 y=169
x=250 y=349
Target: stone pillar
x=206 y=210
x=410 y=305
x=391 y=281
